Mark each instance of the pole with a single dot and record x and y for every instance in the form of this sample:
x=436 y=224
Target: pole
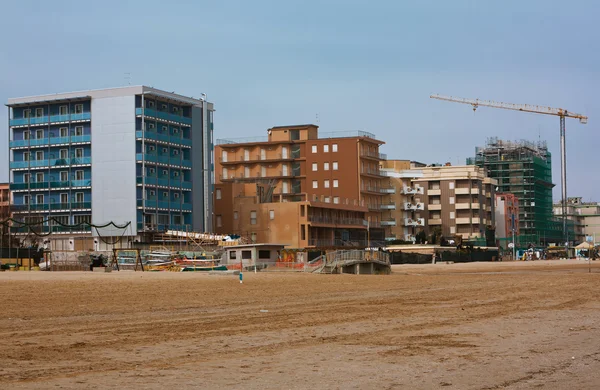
x=563 y=173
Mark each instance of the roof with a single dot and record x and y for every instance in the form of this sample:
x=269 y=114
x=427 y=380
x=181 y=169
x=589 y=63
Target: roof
x=106 y=92
x=293 y=126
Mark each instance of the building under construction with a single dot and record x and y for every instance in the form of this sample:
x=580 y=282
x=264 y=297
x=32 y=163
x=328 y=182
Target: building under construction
x=524 y=169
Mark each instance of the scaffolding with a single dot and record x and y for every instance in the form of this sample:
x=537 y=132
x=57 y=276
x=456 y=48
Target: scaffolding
x=524 y=168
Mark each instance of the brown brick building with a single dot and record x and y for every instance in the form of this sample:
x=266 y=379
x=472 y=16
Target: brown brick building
x=4 y=201
x=301 y=188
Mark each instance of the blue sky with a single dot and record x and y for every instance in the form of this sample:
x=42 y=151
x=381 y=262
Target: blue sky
x=358 y=65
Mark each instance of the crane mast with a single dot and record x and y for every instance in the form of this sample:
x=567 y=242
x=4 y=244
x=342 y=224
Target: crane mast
x=560 y=112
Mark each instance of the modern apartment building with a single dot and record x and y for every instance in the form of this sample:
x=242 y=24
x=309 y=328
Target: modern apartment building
x=458 y=199
x=507 y=218
x=133 y=154
x=583 y=217
x=408 y=199
x=302 y=188
x=525 y=169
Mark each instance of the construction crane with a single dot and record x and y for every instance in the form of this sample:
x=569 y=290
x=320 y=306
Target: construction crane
x=561 y=113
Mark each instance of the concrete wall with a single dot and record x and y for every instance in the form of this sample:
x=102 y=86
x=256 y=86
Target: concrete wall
x=113 y=163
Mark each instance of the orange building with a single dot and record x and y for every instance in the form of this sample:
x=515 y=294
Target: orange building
x=4 y=201
x=301 y=188
x=507 y=208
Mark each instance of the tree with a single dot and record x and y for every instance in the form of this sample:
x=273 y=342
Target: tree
x=421 y=237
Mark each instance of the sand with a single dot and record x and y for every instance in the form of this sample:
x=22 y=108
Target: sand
x=463 y=326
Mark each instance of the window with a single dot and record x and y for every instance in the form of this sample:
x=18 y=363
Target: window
x=64 y=153
x=39 y=177
x=334 y=148
x=314 y=148
x=39 y=155
x=165 y=172
x=175 y=173
x=452 y=229
x=315 y=166
x=164 y=107
x=218 y=193
x=271 y=214
x=165 y=150
x=78 y=130
x=246 y=171
x=165 y=195
x=79 y=152
x=26 y=113
x=151 y=171
x=150 y=126
x=219 y=221
x=235 y=215
x=335 y=165
x=64 y=175
x=152 y=193
x=326 y=166
x=451 y=200
x=63 y=110
x=252 y=217
x=165 y=129
x=336 y=199
x=26 y=156
x=78 y=108
x=232 y=255
x=326 y=183
x=39 y=134
x=176 y=195
x=82 y=219
x=451 y=214
x=39 y=199
x=39 y=112
x=247 y=254
x=264 y=254
x=175 y=152
x=26 y=178
x=302 y=232
x=175 y=130
x=79 y=175
x=151 y=148
x=64 y=198
x=327 y=199
x=315 y=184
x=326 y=148
x=64 y=131
x=26 y=135
x=150 y=104
x=175 y=110
x=335 y=183
x=25 y=199
x=252 y=237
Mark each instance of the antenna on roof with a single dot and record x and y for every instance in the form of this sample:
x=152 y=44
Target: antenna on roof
x=317 y=115
x=128 y=78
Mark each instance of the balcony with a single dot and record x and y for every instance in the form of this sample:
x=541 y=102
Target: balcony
x=164 y=116
x=416 y=190
x=371 y=190
x=409 y=237
x=52 y=206
x=387 y=190
x=387 y=206
x=432 y=207
x=255 y=158
x=466 y=206
x=414 y=222
x=466 y=191
x=434 y=221
x=373 y=155
x=164 y=138
x=432 y=192
x=373 y=207
x=372 y=172
x=165 y=160
x=42 y=120
x=413 y=206
x=324 y=242
x=164 y=204
x=325 y=220
x=164 y=182
x=388 y=222
x=51 y=185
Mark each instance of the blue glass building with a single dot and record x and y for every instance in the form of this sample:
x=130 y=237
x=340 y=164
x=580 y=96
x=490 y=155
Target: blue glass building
x=133 y=154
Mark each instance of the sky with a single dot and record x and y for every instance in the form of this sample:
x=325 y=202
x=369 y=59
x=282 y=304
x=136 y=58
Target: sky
x=342 y=64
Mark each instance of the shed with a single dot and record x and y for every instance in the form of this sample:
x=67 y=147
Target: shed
x=252 y=254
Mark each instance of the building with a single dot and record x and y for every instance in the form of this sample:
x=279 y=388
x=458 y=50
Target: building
x=458 y=200
x=407 y=199
x=302 y=188
x=584 y=217
x=507 y=218
x=133 y=154
x=4 y=201
x=524 y=169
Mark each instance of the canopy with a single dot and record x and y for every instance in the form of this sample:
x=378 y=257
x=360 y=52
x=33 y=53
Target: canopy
x=584 y=245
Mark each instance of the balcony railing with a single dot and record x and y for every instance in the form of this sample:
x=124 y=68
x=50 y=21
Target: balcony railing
x=165 y=116
x=337 y=221
x=164 y=204
x=41 y=120
x=166 y=160
x=387 y=190
x=372 y=172
x=375 y=155
x=413 y=190
x=55 y=162
x=164 y=182
x=160 y=137
x=413 y=206
x=388 y=206
x=52 y=206
x=51 y=184
x=388 y=222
